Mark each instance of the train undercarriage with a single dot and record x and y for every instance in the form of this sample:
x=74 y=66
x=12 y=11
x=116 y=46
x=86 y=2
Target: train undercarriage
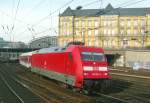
x=91 y=85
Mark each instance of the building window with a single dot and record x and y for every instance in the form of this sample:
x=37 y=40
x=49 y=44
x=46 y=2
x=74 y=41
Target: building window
x=68 y=25
x=121 y=32
x=89 y=23
x=142 y=31
x=113 y=32
x=65 y=24
x=129 y=22
x=83 y=33
x=128 y=31
x=113 y=43
x=109 y=43
x=142 y=22
x=105 y=43
x=105 y=32
x=90 y=43
x=124 y=43
x=77 y=23
x=96 y=32
x=89 y=32
x=105 y=23
x=65 y=31
x=77 y=32
x=135 y=32
x=136 y=43
x=109 y=23
x=68 y=32
x=135 y=22
x=65 y=42
x=96 y=43
x=96 y=23
x=122 y=23
x=114 y=23
x=109 y=31
x=83 y=23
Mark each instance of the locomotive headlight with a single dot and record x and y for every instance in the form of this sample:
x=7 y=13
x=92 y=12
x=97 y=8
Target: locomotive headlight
x=105 y=74
x=85 y=73
x=87 y=68
x=103 y=68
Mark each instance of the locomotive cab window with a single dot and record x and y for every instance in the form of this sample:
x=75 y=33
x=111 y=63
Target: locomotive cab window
x=92 y=56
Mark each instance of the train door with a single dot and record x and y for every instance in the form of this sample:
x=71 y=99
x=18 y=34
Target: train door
x=68 y=63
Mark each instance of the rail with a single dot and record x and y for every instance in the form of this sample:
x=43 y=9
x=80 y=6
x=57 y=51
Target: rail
x=11 y=89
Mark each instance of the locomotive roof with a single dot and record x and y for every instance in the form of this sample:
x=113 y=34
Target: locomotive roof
x=62 y=49
x=52 y=49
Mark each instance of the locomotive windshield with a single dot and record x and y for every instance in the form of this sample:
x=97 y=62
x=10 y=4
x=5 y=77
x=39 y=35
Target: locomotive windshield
x=92 y=56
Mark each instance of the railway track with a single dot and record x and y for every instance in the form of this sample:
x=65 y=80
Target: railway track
x=73 y=97
x=10 y=92
x=110 y=99
x=135 y=76
x=52 y=91
x=135 y=89
x=17 y=92
x=125 y=89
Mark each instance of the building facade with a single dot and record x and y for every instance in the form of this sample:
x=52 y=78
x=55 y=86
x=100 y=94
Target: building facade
x=44 y=42
x=9 y=44
x=109 y=27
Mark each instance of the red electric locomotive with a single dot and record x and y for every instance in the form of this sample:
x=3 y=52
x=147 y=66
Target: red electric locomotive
x=76 y=65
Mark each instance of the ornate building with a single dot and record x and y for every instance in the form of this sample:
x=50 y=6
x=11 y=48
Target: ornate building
x=109 y=27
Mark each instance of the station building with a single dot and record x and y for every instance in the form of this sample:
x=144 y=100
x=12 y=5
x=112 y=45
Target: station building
x=108 y=28
x=44 y=42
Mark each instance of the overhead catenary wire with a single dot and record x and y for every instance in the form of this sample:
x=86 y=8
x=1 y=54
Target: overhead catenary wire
x=91 y=3
x=57 y=10
x=86 y=5
x=105 y=12
x=101 y=4
x=133 y=3
x=15 y=14
x=44 y=18
x=35 y=7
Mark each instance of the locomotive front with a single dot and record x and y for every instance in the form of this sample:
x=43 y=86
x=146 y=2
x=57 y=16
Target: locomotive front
x=95 y=68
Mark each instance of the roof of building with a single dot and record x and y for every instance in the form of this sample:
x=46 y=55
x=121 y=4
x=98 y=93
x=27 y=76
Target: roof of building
x=109 y=10
x=43 y=38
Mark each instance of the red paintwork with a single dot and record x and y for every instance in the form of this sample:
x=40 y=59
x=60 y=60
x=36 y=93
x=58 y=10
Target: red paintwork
x=57 y=62
x=62 y=63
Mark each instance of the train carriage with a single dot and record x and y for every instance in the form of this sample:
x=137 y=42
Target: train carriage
x=25 y=59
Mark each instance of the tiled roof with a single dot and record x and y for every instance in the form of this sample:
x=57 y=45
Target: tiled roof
x=109 y=10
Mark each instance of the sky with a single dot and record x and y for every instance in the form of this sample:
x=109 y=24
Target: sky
x=24 y=20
